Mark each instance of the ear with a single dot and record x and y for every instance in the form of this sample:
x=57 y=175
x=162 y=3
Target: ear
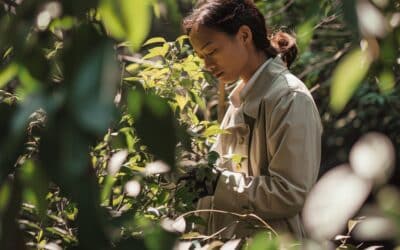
x=245 y=35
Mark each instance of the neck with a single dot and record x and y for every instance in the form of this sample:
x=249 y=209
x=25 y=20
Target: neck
x=255 y=61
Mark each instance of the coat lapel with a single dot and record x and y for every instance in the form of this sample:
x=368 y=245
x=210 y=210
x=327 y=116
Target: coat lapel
x=252 y=96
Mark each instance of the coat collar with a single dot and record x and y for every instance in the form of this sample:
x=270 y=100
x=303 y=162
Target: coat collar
x=252 y=95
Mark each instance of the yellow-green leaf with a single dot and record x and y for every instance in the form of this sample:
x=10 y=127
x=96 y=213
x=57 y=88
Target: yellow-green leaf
x=305 y=33
x=155 y=40
x=137 y=17
x=347 y=77
x=157 y=51
x=386 y=81
x=8 y=74
x=214 y=130
x=110 y=12
x=181 y=100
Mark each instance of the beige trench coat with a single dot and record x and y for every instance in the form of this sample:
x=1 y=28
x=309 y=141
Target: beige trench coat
x=280 y=167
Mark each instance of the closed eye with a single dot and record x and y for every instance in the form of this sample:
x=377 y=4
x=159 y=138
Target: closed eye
x=212 y=52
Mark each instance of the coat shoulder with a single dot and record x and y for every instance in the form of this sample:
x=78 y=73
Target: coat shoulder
x=286 y=86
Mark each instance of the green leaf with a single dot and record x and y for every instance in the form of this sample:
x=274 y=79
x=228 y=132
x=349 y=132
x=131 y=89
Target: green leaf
x=135 y=103
x=95 y=84
x=155 y=40
x=29 y=83
x=8 y=74
x=181 y=100
x=237 y=158
x=213 y=130
x=155 y=126
x=35 y=186
x=110 y=12
x=386 y=82
x=263 y=241
x=157 y=51
x=347 y=77
x=5 y=194
x=137 y=18
x=305 y=33
x=64 y=23
x=107 y=188
x=181 y=39
x=165 y=240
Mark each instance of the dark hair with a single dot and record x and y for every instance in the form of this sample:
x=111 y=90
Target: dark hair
x=229 y=15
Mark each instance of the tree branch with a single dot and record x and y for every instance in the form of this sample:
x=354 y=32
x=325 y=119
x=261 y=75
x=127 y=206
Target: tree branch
x=326 y=62
x=243 y=216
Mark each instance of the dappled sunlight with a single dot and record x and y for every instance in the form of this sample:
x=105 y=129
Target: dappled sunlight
x=375 y=228
x=50 y=10
x=116 y=161
x=156 y=167
x=372 y=157
x=371 y=21
x=333 y=201
x=132 y=188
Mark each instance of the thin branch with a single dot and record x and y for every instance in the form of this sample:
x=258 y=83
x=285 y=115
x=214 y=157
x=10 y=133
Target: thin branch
x=326 y=62
x=232 y=213
x=139 y=61
x=315 y=88
x=328 y=19
x=220 y=231
x=281 y=10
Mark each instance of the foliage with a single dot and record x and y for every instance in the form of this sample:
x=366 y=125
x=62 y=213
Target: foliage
x=90 y=127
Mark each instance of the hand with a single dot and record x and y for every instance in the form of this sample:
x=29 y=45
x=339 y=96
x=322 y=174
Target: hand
x=202 y=180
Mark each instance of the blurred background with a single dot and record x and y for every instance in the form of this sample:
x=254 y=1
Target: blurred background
x=103 y=104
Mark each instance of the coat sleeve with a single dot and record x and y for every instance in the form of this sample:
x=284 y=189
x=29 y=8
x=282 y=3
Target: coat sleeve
x=293 y=137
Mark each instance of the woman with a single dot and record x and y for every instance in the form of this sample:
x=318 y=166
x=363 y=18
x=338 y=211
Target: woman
x=273 y=123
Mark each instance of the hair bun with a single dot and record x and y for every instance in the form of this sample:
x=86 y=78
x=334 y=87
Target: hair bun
x=285 y=45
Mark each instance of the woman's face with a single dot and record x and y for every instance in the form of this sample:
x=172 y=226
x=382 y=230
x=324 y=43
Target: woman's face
x=224 y=56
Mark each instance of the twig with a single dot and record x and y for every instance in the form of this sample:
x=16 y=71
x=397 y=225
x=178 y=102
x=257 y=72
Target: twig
x=220 y=231
x=315 y=88
x=231 y=213
x=139 y=61
x=281 y=10
x=326 y=20
x=327 y=61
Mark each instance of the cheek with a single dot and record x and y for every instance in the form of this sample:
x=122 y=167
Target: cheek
x=234 y=61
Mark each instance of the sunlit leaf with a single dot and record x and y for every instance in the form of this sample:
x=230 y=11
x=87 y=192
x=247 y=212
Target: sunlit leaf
x=347 y=77
x=155 y=40
x=386 y=81
x=29 y=83
x=157 y=51
x=263 y=241
x=110 y=12
x=213 y=130
x=181 y=100
x=137 y=18
x=305 y=33
x=8 y=74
